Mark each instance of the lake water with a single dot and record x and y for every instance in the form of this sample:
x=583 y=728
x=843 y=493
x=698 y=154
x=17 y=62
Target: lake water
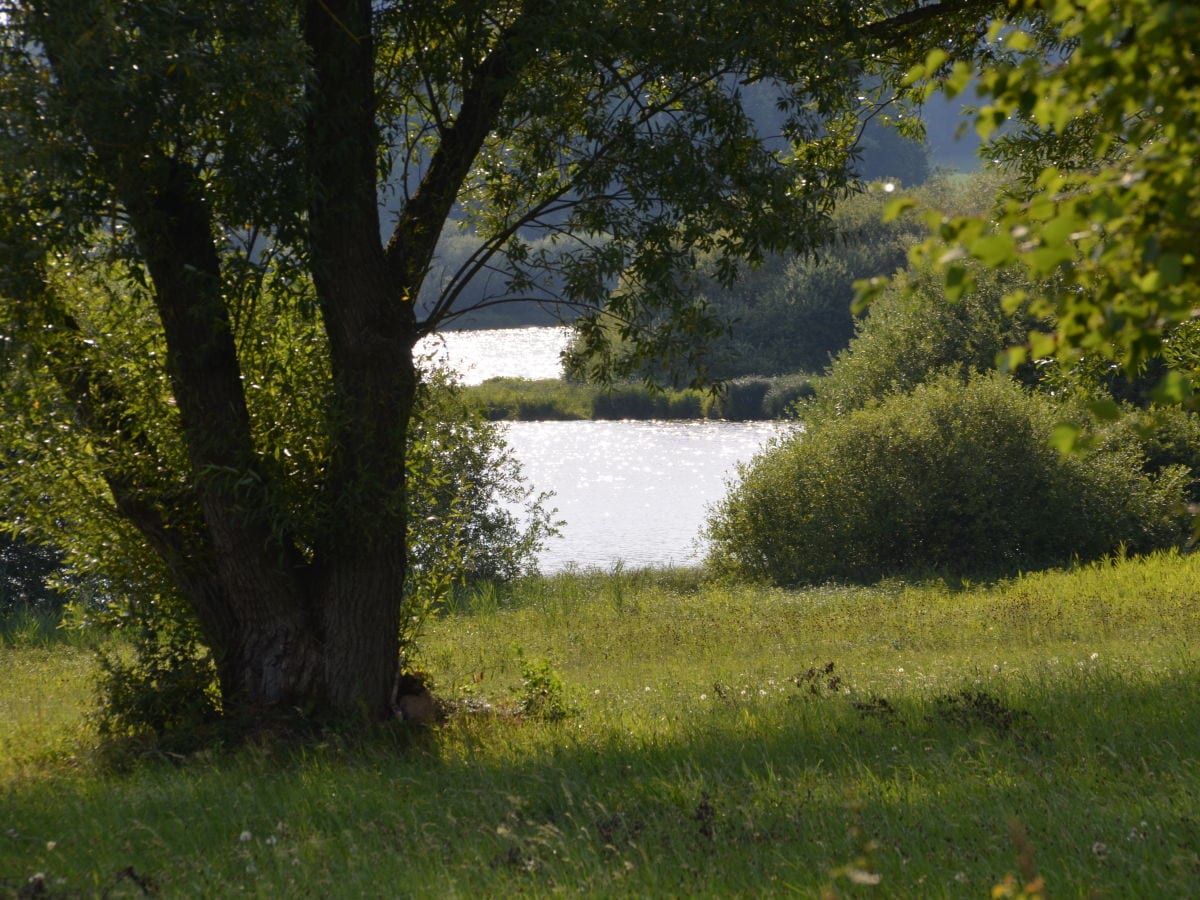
x=635 y=492
x=499 y=352
x=631 y=492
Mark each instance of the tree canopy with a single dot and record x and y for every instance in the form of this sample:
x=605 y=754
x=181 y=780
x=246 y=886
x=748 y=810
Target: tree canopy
x=186 y=188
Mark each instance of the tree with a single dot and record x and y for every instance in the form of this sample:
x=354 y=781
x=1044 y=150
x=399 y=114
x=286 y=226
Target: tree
x=225 y=164
x=1105 y=222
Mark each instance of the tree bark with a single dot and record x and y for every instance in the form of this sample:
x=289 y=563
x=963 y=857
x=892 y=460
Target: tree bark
x=361 y=558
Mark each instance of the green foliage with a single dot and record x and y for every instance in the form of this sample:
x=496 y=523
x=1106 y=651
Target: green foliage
x=953 y=476
x=786 y=393
x=793 y=312
x=465 y=485
x=25 y=570
x=542 y=693
x=1104 y=219
x=913 y=332
x=741 y=399
x=157 y=682
x=230 y=413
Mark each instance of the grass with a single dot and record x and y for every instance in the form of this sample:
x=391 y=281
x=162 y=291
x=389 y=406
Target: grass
x=724 y=740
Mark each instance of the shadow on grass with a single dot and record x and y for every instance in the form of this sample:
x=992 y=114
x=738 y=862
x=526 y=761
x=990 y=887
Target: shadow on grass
x=758 y=796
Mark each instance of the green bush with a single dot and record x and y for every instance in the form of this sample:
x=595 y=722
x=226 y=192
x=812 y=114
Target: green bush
x=913 y=332
x=741 y=400
x=527 y=400
x=958 y=477
x=785 y=392
x=629 y=401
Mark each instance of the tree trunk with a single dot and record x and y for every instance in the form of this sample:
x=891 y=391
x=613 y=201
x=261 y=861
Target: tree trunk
x=369 y=317
x=319 y=631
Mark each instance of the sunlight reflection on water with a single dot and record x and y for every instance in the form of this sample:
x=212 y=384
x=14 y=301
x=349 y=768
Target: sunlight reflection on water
x=502 y=352
x=630 y=491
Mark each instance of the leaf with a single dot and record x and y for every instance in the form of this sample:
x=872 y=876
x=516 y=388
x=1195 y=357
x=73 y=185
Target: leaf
x=897 y=208
x=915 y=74
x=1020 y=41
x=958 y=282
x=867 y=291
x=994 y=250
x=1011 y=359
x=1042 y=345
x=988 y=119
x=1175 y=387
x=935 y=59
x=1170 y=268
x=960 y=76
x=1065 y=437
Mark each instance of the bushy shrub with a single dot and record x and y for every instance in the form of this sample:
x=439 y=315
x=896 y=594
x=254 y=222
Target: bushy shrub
x=526 y=400
x=954 y=476
x=741 y=399
x=913 y=332
x=629 y=401
x=464 y=486
x=785 y=393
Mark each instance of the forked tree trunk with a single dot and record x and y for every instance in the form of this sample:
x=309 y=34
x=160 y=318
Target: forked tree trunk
x=316 y=631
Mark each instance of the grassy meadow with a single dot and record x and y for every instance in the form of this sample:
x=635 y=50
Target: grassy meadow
x=904 y=740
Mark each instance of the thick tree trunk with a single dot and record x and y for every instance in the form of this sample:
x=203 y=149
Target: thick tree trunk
x=319 y=634
x=370 y=321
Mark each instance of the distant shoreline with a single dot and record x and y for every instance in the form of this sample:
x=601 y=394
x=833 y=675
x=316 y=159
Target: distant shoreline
x=752 y=399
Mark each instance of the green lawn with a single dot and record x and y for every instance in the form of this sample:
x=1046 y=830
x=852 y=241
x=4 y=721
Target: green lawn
x=709 y=753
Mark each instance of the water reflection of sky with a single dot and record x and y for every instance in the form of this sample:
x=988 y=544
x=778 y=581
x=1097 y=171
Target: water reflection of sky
x=632 y=491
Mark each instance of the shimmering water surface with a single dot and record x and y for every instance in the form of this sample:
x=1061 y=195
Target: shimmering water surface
x=508 y=352
x=634 y=492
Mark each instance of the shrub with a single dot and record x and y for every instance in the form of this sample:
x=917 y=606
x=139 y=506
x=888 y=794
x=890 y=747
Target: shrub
x=472 y=515
x=913 y=332
x=522 y=399
x=542 y=694
x=954 y=476
x=629 y=401
x=785 y=393
x=741 y=400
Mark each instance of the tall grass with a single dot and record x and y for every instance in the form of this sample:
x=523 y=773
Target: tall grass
x=726 y=740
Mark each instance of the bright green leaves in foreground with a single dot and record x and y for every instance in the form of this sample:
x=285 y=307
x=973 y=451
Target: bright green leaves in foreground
x=1105 y=219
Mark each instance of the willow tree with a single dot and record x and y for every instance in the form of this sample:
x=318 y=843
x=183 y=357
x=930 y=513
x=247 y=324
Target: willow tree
x=221 y=171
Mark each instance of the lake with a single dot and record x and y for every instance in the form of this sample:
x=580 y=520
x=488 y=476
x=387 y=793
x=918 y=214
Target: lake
x=631 y=491
x=499 y=352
